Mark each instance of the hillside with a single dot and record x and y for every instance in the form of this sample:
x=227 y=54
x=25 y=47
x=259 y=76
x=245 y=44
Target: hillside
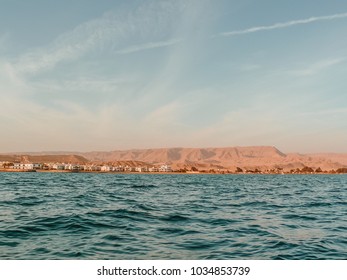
x=44 y=158
x=256 y=157
x=261 y=157
x=340 y=158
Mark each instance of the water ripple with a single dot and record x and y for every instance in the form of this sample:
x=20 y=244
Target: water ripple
x=156 y=216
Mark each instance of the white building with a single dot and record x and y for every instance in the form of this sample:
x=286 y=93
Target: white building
x=92 y=168
x=18 y=165
x=27 y=166
x=58 y=166
x=72 y=167
x=165 y=168
x=37 y=166
x=106 y=168
x=153 y=169
x=127 y=168
x=118 y=169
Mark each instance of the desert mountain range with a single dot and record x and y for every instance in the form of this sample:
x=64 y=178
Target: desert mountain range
x=27 y=157
x=260 y=157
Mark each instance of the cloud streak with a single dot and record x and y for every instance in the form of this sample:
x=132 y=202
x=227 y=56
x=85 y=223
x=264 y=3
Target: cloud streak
x=69 y=46
x=105 y=33
x=319 y=66
x=147 y=46
x=282 y=25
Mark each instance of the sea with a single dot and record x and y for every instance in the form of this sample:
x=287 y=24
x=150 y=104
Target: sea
x=172 y=216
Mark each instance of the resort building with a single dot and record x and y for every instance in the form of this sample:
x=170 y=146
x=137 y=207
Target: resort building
x=91 y=167
x=27 y=166
x=106 y=168
x=72 y=167
x=58 y=166
x=165 y=168
x=153 y=169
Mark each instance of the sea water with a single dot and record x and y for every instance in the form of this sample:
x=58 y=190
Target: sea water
x=172 y=216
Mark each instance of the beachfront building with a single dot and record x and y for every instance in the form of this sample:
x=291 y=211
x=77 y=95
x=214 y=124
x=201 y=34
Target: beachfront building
x=37 y=166
x=18 y=165
x=165 y=168
x=87 y=168
x=27 y=166
x=153 y=169
x=144 y=169
x=92 y=168
x=118 y=168
x=97 y=168
x=72 y=167
x=21 y=166
x=58 y=166
x=106 y=168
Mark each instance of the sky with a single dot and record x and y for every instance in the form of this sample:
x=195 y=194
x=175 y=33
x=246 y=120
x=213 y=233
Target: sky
x=86 y=75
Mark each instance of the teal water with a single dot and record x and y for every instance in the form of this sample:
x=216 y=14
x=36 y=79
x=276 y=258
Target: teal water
x=138 y=216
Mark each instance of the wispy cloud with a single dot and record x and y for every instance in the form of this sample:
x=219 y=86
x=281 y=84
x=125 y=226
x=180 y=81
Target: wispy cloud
x=81 y=85
x=106 y=33
x=151 y=45
x=69 y=46
x=319 y=66
x=283 y=24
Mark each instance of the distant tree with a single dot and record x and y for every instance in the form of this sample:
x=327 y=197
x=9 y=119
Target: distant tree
x=8 y=164
x=318 y=170
x=307 y=169
x=194 y=168
x=238 y=169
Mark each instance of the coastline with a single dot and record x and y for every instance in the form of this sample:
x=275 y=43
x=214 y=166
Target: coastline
x=2 y=170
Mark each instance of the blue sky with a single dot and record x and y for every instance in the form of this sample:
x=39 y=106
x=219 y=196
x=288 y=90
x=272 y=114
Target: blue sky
x=87 y=75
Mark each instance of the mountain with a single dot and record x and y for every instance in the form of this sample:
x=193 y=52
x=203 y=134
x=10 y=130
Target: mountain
x=340 y=158
x=256 y=157
x=260 y=157
x=77 y=159
x=202 y=155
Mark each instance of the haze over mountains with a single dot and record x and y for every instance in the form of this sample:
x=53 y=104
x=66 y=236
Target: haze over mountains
x=260 y=157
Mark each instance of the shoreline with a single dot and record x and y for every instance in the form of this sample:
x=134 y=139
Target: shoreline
x=166 y=173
